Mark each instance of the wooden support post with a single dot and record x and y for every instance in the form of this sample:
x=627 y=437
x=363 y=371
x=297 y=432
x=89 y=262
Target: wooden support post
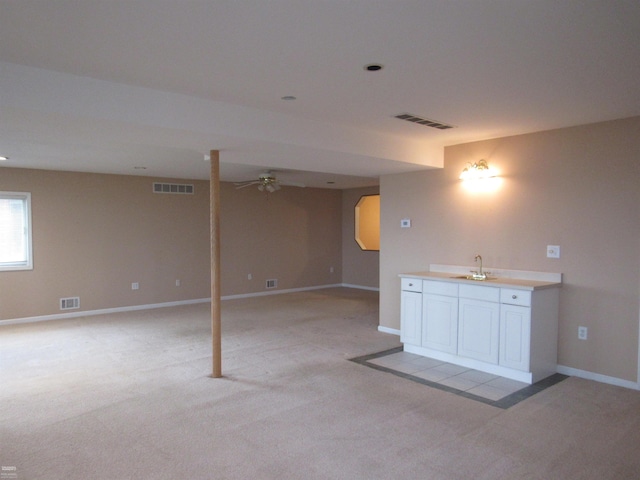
x=214 y=206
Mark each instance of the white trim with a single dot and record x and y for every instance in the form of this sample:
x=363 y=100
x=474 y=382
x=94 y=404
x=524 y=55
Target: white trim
x=392 y=331
x=87 y=313
x=277 y=292
x=360 y=287
x=28 y=264
x=619 y=382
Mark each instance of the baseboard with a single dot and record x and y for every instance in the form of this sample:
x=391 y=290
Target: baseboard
x=87 y=313
x=360 y=287
x=277 y=292
x=619 y=382
x=103 y=311
x=392 y=331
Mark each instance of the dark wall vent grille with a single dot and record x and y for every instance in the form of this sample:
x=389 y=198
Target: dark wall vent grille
x=423 y=121
x=177 y=188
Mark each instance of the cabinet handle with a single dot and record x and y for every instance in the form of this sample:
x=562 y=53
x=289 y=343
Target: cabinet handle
x=514 y=296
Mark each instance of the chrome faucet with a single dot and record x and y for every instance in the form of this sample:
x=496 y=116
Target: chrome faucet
x=479 y=274
x=478 y=257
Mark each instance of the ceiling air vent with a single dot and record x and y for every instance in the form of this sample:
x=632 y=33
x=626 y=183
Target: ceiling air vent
x=423 y=121
x=178 y=188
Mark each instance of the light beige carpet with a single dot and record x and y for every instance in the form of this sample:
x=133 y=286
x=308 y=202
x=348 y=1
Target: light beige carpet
x=128 y=396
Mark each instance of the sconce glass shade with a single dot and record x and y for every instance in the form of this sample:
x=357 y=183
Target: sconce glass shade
x=477 y=171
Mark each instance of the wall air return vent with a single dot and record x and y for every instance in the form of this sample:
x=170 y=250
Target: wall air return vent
x=70 y=303
x=271 y=283
x=423 y=121
x=177 y=188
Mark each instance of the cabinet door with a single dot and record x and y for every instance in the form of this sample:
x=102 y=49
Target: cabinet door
x=515 y=334
x=478 y=330
x=410 y=317
x=440 y=323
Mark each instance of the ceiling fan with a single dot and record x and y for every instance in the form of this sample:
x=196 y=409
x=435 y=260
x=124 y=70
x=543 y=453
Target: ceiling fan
x=267 y=181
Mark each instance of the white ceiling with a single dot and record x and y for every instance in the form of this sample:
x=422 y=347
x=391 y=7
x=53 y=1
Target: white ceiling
x=110 y=85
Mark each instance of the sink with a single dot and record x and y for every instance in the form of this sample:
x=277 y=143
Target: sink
x=472 y=277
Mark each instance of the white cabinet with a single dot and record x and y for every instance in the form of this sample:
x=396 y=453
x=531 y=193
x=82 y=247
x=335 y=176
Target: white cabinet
x=440 y=316
x=479 y=323
x=515 y=328
x=411 y=317
x=411 y=311
x=478 y=333
x=510 y=332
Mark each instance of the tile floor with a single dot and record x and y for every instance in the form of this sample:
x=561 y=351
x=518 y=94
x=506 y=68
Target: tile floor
x=485 y=387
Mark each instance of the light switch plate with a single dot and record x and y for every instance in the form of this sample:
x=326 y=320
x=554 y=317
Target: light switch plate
x=553 y=251
x=583 y=333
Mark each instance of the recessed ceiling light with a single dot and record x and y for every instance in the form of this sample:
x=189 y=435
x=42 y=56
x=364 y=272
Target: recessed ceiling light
x=373 y=67
x=3 y=158
x=288 y=97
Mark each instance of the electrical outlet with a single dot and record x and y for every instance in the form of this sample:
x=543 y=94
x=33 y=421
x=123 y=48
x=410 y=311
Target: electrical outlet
x=582 y=333
x=178 y=283
x=249 y=277
x=135 y=286
x=330 y=269
x=553 y=251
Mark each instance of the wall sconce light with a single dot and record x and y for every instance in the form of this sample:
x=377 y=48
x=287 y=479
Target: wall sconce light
x=480 y=177
x=477 y=171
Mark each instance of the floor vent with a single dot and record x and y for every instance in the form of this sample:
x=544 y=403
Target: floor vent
x=70 y=303
x=423 y=121
x=178 y=188
x=272 y=283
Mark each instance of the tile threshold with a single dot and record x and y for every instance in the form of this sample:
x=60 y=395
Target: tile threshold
x=505 y=402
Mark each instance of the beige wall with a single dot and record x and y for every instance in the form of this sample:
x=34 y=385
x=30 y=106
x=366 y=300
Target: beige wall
x=93 y=235
x=577 y=187
x=293 y=235
x=361 y=268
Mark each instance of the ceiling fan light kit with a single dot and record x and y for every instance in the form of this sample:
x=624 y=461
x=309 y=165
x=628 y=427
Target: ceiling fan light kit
x=266 y=182
x=269 y=187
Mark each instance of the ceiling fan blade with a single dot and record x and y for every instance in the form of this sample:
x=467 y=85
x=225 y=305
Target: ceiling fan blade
x=240 y=185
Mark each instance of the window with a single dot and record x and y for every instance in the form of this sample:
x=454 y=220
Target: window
x=15 y=231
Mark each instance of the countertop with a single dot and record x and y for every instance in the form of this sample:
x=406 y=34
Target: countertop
x=501 y=282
